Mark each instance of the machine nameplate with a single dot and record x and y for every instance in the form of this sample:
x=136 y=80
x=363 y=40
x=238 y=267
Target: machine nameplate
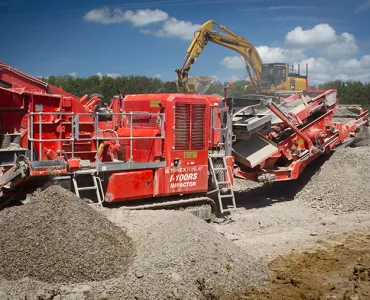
x=155 y=103
x=190 y=154
x=184 y=177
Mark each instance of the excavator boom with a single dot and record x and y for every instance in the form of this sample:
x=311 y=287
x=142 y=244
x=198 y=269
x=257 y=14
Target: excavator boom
x=230 y=40
x=264 y=78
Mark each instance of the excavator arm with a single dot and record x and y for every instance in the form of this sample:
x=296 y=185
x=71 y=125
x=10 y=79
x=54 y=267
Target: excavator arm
x=232 y=41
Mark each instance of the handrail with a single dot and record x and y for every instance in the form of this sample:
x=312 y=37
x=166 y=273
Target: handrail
x=131 y=137
x=75 y=129
x=77 y=125
x=213 y=121
x=30 y=130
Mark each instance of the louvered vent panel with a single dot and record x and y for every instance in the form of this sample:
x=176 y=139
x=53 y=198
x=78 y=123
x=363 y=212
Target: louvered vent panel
x=198 y=126
x=182 y=127
x=144 y=122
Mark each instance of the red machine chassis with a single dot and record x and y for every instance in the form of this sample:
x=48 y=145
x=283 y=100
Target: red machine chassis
x=145 y=146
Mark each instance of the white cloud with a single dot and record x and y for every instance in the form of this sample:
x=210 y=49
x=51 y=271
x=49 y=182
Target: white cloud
x=159 y=76
x=113 y=75
x=268 y=55
x=321 y=69
x=320 y=34
x=138 y=18
x=271 y=55
x=233 y=62
x=363 y=7
x=323 y=39
x=176 y=28
x=171 y=27
x=73 y=74
x=104 y=16
x=145 y=17
x=345 y=45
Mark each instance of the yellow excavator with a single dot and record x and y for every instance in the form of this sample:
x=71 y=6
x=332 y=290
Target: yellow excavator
x=265 y=79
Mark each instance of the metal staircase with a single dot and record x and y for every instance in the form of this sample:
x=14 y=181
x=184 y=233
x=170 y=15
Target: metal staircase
x=97 y=187
x=224 y=187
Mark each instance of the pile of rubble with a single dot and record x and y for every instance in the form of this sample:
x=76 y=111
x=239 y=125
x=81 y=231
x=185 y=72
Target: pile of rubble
x=58 y=238
x=342 y=182
x=58 y=247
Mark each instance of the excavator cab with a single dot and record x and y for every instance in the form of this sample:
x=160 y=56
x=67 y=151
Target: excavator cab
x=282 y=77
x=273 y=75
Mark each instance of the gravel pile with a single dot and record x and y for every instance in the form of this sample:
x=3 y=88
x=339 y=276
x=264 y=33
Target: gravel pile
x=343 y=115
x=58 y=238
x=363 y=137
x=342 y=184
x=178 y=256
x=182 y=257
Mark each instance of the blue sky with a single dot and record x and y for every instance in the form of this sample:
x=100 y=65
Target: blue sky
x=150 y=38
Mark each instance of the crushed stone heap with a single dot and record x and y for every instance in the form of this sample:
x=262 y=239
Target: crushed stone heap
x=58 y=238
x=342 y=184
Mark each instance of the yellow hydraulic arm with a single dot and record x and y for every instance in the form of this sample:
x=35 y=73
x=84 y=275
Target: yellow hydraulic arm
x=231 y=41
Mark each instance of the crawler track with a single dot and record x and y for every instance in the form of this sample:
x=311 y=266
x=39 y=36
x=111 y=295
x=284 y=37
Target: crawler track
x=202 y=207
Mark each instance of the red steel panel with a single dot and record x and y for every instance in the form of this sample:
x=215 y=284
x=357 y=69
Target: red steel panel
x=129 y=185
x=181 y=180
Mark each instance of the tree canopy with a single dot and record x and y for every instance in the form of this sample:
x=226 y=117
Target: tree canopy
x=349 y=92
x=108 y=86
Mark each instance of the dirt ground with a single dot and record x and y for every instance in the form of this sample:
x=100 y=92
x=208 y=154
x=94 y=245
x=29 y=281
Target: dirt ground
x=339 y=268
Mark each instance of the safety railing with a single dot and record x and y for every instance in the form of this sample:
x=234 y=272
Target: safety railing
x=41 y=140
x=76 y=123
x=214 y=118
x=129 y=116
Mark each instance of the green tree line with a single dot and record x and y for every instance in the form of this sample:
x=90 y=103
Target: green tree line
x=349 y=92
x=108 y=86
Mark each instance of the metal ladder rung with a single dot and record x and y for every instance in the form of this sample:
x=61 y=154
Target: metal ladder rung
x=97 y=187
x=223 y=182
x=217 y=155
x=228 y=209
x=227 y=181
x=87 y=188
x=227 y=196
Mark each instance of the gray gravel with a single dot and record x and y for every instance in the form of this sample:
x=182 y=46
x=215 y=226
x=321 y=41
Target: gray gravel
x=343 y=115
x=182 y=257
x=178 y=256
x=342 y=184
x=58 y=238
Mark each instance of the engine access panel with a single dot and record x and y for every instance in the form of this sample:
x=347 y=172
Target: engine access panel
x=187 y=134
